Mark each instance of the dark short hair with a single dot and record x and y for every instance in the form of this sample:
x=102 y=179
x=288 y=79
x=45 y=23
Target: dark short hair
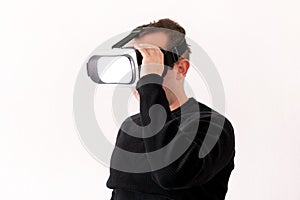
x=175 y=36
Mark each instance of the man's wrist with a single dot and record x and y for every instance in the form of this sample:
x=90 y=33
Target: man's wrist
x=151 y=69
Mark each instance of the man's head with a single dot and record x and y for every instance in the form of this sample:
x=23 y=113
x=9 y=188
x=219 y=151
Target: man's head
x=168 y=34
x=172 y=29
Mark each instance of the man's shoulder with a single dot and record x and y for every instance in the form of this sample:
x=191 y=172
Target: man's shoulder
x=214 y=114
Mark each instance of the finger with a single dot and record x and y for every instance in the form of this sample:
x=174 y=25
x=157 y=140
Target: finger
x=141 y=50
x=152 y=49
x=155 y=51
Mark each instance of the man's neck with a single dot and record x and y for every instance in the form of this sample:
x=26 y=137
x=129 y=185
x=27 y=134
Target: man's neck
x=178 y=102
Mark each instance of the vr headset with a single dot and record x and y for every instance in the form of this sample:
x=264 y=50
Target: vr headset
x=122 y=64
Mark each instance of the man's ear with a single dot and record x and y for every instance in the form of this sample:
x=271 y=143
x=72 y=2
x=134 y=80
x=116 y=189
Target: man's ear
x=182 y=67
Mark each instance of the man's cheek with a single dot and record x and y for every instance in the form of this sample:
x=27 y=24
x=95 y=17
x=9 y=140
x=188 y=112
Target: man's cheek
x=167 y=82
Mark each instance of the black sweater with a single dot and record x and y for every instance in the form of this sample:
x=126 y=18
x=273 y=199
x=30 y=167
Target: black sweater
x=200 y=171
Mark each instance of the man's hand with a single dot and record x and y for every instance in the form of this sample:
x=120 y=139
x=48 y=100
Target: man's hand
x=153 y=59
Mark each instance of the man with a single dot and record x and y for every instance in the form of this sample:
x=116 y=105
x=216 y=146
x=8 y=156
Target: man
x=192 y=175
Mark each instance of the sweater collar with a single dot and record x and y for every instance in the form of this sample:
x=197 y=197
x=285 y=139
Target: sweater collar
x=184 y=106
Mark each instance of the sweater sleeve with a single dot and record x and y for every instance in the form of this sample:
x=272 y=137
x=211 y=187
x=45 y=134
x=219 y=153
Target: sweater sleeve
x=189 y=169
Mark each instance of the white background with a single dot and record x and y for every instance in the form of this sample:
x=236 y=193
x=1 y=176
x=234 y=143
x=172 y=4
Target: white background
x=254 y=45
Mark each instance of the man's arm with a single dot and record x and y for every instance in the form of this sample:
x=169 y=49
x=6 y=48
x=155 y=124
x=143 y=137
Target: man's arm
x=188 y=170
